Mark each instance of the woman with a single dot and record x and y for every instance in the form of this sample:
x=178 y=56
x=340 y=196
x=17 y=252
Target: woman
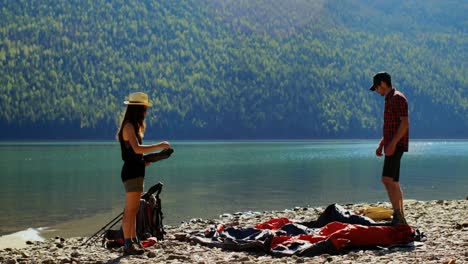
x=130 y=135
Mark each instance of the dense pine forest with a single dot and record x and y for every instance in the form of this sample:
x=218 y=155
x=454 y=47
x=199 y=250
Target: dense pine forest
x=231 y=69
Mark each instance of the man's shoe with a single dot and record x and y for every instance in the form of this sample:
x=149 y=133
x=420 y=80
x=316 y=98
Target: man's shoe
x=398 y=219
x=133 y=249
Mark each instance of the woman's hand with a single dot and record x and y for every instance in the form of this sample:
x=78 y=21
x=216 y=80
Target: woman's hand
x=164 y=145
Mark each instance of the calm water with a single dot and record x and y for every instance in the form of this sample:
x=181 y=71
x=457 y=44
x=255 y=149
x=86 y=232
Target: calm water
x=47 y=183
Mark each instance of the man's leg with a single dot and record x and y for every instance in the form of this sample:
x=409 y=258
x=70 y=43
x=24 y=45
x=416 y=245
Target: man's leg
x=394 y=192
x=390 y=179
x=395 y=196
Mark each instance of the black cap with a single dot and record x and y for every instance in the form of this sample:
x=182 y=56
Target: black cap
x=381 y=76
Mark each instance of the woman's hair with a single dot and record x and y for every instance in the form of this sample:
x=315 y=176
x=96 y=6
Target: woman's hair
x=135 y=115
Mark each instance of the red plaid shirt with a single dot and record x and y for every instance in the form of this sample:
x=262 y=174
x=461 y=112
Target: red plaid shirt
x=396 y=106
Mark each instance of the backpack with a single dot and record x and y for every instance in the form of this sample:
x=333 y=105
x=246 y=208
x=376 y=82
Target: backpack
x=149 y=222
x=149 y=219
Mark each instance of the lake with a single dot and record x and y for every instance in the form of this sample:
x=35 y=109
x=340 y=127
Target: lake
x=74 y=188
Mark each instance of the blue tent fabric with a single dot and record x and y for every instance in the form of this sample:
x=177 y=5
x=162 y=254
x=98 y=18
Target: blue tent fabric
x=295 y=229
x=305 y=249
x=236 y=239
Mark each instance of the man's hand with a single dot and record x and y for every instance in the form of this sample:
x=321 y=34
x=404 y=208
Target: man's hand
x=378 y=151
x=390 y=149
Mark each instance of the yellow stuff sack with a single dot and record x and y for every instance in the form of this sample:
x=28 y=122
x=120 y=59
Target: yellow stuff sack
x=377 y=213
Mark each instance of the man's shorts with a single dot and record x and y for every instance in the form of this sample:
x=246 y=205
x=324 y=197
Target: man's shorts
x=134 y=185
x=391 y=166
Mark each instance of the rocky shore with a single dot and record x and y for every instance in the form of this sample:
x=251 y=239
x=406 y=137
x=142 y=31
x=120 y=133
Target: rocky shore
x=444 y=222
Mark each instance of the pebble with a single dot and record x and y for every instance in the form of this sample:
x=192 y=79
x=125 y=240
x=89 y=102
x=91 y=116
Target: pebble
x=443 y=221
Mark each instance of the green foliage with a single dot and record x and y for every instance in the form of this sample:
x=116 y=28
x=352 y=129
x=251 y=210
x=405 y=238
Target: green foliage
x=226 y=68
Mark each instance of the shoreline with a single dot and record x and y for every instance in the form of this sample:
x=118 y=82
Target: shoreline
x=443 y=221
x=19 y=239
x=66 y=229
x=87 y=226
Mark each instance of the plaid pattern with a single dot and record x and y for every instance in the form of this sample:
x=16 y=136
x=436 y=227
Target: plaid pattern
x=396 y=106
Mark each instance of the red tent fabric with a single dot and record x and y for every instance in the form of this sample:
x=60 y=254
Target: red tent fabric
x=274 y=224
x=343 y=235
x=335 y=231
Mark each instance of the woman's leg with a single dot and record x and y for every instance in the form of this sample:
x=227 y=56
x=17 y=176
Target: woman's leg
x=132 y=202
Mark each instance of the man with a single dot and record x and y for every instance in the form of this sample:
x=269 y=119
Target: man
x=394 y=141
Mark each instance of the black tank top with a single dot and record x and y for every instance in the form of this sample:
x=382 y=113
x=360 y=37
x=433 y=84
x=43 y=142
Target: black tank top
x=134 y=165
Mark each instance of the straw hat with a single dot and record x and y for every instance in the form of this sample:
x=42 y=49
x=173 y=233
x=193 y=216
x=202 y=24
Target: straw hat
x=138 y=98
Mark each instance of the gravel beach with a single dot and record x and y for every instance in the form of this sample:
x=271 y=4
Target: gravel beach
x=445 y=223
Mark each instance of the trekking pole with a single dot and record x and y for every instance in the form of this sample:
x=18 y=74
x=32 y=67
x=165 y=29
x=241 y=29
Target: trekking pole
x=109 y=227
x=104 y=227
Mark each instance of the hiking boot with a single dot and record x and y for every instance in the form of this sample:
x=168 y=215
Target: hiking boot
x=133 y=249
x=398 y=219
x=140 y=246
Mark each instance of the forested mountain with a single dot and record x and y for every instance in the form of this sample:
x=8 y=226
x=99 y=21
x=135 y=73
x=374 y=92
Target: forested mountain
x=231 y=68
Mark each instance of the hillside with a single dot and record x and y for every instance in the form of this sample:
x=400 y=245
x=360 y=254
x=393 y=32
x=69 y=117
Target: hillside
x=230 y=69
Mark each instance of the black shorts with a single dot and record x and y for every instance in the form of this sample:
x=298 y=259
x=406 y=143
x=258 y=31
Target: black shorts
x=391 y=167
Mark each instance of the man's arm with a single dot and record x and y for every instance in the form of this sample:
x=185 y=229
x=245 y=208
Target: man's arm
x=378 y=150
x=402 y=130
